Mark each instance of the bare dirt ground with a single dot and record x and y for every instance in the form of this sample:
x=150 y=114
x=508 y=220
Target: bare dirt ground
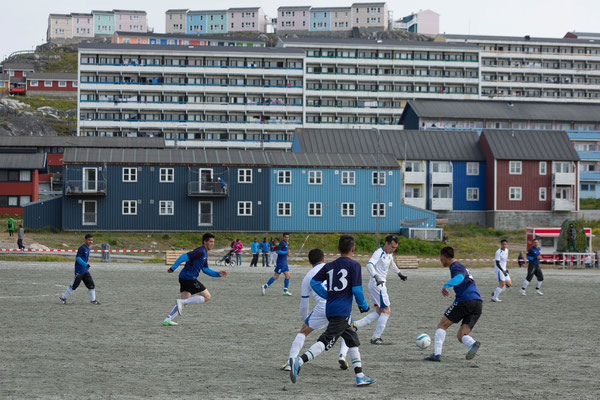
x=533 y=347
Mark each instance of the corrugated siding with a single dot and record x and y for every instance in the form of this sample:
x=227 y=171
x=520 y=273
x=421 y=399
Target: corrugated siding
x=43 y=214
x=489 y=173
x=530 y=181
x=462 y=181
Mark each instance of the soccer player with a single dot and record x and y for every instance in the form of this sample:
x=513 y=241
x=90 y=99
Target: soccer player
x=534 y=257
x=344 y=281
x=82 y=273
x=281 y=266
x=501 y=270
x=192 y=291
x=466 y=307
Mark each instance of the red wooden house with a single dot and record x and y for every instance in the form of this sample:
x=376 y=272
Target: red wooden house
x=52 y=84
x=19 y=179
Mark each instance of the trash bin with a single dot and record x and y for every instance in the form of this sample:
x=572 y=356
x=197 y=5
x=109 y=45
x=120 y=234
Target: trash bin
x=105 y=255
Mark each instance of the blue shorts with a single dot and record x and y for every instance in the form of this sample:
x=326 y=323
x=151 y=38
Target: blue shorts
x=279 y=269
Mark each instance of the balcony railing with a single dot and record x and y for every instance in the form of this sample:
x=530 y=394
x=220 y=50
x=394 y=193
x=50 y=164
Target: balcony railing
x=563 y=205
x=415 y=201
x=207 y=189
x=564 y=178
x=441 y=204
x=85 y=188
x=414 y=177
x=440 y=177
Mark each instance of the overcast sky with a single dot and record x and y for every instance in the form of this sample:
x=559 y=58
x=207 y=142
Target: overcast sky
x=23 y=23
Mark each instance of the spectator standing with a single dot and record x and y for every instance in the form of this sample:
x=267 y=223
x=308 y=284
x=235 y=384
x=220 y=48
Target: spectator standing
x=596 y=259
x=20 y=237
x=264 y=249
x=272 y=254
x=255 y=249
x=521 y=260
x=11 y=226
x=238 y=246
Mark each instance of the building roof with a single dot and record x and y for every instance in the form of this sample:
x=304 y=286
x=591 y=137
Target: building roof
x=503 y=110
x=293 y=8
x=81 y=14
x=587 y=34
x=224 y=158
x=61 y=15
x=402 y=144
x=310 y=40
x=368 y=4
x=190 y=36
x=180 y=10
x=521 y=39
x=207 y=11
x=121 y=48
x=19 y=66
x=330 y=8
x=81 y=141
x=530 y=145
x=101 y=12
x=244 y=9
x=130 y=11
x=52 y=75
x=23 y=161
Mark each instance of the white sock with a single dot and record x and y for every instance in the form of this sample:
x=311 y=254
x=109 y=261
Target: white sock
x=539 y=285
x=92 y=294
x=525 y=284
x=497 y=292
x=468 y=340
x=355 y=358
x=314 y=351
x=172 y=314
x=438 y=343
x=193 y=300
x=503 y=289
x=297 y=345
x=381 y=322
x=343 y=349
x=67 y=292
x=372 y=317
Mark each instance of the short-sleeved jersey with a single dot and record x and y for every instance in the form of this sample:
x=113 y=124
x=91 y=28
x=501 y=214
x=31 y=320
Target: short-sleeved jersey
x=533 y=252
x=84 y=253
x=282 y=258
x=502 y=256
x=381 y=262
x=197 y=259
x=341 y=276
x=307 y=290
x=467 y=289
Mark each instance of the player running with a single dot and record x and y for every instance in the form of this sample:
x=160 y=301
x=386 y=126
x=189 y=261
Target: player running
x=501 y=270
x=281 y=266
x=82 y=273
x=466 y=307
x=344 y=281
x=192 y=291
x=534 y=257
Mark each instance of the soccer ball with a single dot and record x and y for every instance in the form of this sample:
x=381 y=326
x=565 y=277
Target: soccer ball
x=423 y=341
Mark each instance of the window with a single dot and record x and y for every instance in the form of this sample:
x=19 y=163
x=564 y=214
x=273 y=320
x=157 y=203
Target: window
x=515 y=167
x=166 y=175
x=24 y=175
x=33 y=83
x=413 y=166
x=90 y=212
x=315 y=209
x=412 y=192
x=129 y=207
x=441 y=192
x=562 y=167
x=378 y=178
x=441 y=167
x=472 y=168
x=472 y=194
x=166 y=207
x=244 y=209
x=62 y=83
x=47 y=83
x=542 y=194
x=514 y=193
x=284 y=177
x=348 y=177
x=284 y=209
x=315 y=177
x=24 y=200
x=348 y=210
x=542 y=167
x=588 y=187
x=244 y=175
x=129 y=174
x=377 y=209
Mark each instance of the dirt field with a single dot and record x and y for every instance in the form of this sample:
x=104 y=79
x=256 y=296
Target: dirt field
x=232 y=347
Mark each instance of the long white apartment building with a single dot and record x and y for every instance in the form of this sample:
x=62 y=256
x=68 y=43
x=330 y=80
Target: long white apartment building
x=532 y=68
x=353 y=83
x=195 y=95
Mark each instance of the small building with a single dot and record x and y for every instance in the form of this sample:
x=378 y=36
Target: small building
x=587 y=145
x=104 y=22
x=59 y=27
x=4 y=83
x=424 y=22
x=293 y=18
x=52 y=84
x=130 y=21
x=206 y=21
x=371 y=16
x=246 y=19
x=17 y=76
x=82 y=24
x=320 y=19
x=176 y=21
x=19 y=174
x=582 y=35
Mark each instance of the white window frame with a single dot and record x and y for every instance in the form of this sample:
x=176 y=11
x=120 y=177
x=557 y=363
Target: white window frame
x=128 y=175
x=315 y=209
x=33 y=83
x=376 y=210
x=542 y=194
x=200 y=223
x=378 y=178
x=245 y=175
x=472 y=168
x=472 y=194
x=315 y=177
x=349 y=211
x=517 y=191
x=543 y=168
x=349 y=177
x=244 y=208
x=62 y=83
x=518 y=167
x=283 y=175
x=129 y=205
x=166 y=175
x=166 y=207
x=47 y=83
x=284 y=209
x=83 y=203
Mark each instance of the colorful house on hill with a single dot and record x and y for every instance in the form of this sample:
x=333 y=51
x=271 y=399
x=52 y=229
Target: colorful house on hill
x=293 y=18
x=59 y=27
x=320 y=20
x=176 y=21
x=83 y=24
x=249 y=19
x=130 y=21
x=104 y=22
x=206 y=21
x=19 y=174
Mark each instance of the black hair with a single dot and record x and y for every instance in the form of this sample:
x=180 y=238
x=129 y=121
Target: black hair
x=447 y=252
x=391 y=238
x=315 y=256
x=89 y=235
x=285 y=233
x=345 y=244
x=503 y=241
x=207 y=236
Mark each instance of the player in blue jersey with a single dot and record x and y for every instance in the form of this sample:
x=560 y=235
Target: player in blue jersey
x=281 y=266
x=192 y=291
x=534 y=257
x=344 y=281
x=82 y=272
x=466 y=307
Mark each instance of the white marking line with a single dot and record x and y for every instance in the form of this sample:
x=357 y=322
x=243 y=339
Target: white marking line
x=29 y=296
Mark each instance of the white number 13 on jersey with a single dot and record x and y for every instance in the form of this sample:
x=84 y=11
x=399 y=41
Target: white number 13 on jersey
x=341 y=279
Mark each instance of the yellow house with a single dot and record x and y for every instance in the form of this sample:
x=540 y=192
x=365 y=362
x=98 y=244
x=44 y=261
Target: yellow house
x=4 y=79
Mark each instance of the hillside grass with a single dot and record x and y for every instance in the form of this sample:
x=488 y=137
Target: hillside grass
x=66 y=64
x=60 y=104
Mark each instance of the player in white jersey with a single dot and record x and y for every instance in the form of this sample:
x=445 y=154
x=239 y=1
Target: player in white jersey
x=501 y=270
x=317 y=318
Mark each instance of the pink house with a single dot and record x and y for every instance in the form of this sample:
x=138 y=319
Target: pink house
x=250 y=19
x=130 y=21
x=425 y=22
x=83 y=24
x=295 y=18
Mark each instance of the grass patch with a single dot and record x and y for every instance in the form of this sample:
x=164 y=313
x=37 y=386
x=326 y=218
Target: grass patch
x=64 y=129
x=66 y=64
x=60 y=104
x=589 y=204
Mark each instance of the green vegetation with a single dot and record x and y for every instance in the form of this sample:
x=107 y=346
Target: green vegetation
x=66 y=64
x=589 y=204
x=60 y=104
x=64 y=129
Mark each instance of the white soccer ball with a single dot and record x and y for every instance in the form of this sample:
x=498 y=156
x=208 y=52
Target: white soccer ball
x=423 y=341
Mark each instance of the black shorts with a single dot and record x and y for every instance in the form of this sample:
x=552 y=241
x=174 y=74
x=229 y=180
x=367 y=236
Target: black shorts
x=87 y=281
x=193 y=287
x=466 y=311
x=339 y=326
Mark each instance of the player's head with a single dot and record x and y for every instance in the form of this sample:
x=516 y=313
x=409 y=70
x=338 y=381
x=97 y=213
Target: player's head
x=285 y=236
x=536 y=243
x=446 y=255
x=89 y=239
x=391 y=244
x=315 y=256
x=503 y=244
x=346 y=244
x=208 y=241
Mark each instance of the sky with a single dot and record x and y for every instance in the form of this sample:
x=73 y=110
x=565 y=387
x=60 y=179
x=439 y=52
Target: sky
x=23 y=23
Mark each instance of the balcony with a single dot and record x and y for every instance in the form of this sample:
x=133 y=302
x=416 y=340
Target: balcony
x=563 y=205
x=441 y=204
x=415 y=202
x=207 y=189
x=564 y=178
x=441 y=178
x=414 y=177
x=85 y=188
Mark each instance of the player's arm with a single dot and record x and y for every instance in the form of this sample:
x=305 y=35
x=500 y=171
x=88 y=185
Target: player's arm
x=210 y=272
x=80 y=261
x=395 y=268
x=504 y=271
x=456 y=280
x=182 y=258
x=317 y=286
x=304 y=300
x=281 y=250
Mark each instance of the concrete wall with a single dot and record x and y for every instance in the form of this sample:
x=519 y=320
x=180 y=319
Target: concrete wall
x=464 y=217
x=523 y=219
x=589 y=215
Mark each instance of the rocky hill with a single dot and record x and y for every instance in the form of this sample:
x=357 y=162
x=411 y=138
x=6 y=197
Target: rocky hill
x=21 y=119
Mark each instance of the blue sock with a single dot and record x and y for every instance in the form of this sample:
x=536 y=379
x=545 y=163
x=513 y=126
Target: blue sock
x=286 y=283
x=173 y=312
x=270 y=282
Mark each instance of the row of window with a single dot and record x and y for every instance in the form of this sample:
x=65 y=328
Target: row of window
x=515 y=193
x=516 y=167
x=15 y=175
x=14 y=201
x=34 y=83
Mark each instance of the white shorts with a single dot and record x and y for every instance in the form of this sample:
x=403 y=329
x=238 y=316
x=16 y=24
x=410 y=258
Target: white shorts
x=500 y=275
x=317 y=318
x=378 y=294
